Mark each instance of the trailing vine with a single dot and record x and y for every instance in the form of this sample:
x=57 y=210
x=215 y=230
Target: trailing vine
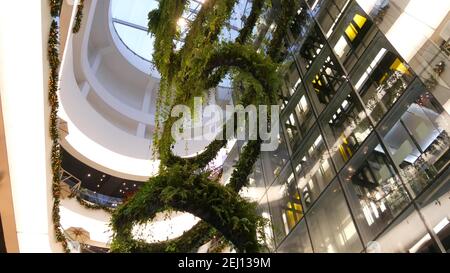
x=250 y=22
x=54 y=64
x=55 y=7
x=288 y=9
x=78 y=17
x=90 y=206
x=183 y=184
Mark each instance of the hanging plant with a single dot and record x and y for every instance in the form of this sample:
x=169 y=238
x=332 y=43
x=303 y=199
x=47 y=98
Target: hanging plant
x=184 y=184
x=55 y=7
x=78 y=17
x=55 y=157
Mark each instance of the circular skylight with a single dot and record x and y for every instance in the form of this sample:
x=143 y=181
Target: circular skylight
x=130 y=21
x=130 y=18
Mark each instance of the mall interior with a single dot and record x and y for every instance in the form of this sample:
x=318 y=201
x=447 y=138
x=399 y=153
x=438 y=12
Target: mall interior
x=362 y=163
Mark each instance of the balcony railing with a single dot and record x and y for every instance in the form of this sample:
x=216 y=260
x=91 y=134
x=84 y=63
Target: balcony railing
x=87 y=195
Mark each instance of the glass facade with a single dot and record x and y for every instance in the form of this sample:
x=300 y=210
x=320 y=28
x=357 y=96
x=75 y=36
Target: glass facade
x=363 y=159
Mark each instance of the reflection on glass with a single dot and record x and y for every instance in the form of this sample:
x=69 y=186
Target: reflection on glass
x=327 y=82
x=407 y=234
x=329 y=14
x=266 y=238
x=256 y=187
x=285 y=204
x=300 y=120
x=383 y=82
x=345 y=126
x=375 y=192
x=352 y=35
x=314 y=170
x=273 y=162
x=298 y=241
x=229 y=164
x=435 y=207
x=331 y=225
x=307 y=50
x=290 y=83
x=302 y=22
x=419 y=142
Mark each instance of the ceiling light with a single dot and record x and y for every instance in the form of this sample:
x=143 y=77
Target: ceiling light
x=89 y=175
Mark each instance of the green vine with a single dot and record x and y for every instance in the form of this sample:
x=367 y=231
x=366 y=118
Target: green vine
x=183 y=184
x=250 y=22
x=90 y=206
x=54 y=63
x=55 y=7
x=78 y=17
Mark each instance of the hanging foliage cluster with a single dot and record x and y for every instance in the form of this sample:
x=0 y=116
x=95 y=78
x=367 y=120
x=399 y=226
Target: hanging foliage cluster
x=184 y=184
x=55 y=7
x=54 y=63
x=91 y=206
x=78 y=17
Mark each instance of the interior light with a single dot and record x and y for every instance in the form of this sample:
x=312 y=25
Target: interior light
x=89 y=175
x=182 y=22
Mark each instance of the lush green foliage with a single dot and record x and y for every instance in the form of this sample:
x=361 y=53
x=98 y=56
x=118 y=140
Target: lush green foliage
x=54 y=64
x=78 y=17
x=183 y=184
x=178 y=189
x=55 y=7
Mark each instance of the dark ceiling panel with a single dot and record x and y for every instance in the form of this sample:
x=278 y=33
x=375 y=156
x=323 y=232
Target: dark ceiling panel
x=97 y=181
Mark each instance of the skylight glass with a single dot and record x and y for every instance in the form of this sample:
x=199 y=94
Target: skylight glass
x=130 y=18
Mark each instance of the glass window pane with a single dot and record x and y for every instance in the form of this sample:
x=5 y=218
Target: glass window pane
x=375 y=192
x=331 y=225
x=268 y=239
x=273 y=162
x=256 y=187
x=133 y=11
x=407 y=234
x=306 y=50
x=385 y=79
x=345 y=126
x=298 y=241
x=314 y=168
x=302 y=23
x=329 y=12
x=435 y=207
x=285 y=204
x=417 y=137
x=138 y=41
x=300 y=120
x=324 y=81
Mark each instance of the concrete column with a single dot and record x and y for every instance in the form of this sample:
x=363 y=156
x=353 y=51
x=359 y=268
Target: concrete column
x=24 y=73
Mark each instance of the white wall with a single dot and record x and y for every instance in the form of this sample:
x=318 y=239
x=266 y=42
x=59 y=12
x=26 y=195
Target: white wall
x=24 y=85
